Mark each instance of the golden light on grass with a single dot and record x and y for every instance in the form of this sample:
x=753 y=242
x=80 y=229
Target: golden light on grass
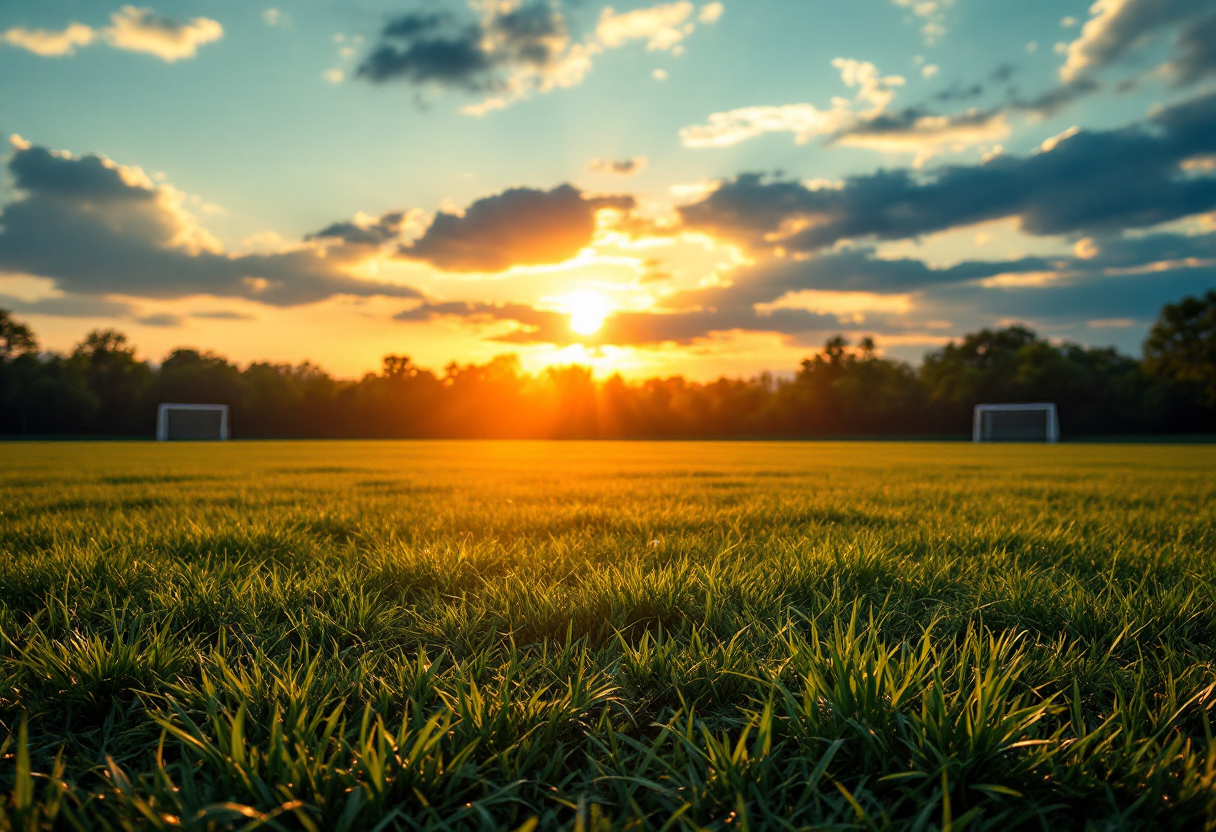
x=587 y=309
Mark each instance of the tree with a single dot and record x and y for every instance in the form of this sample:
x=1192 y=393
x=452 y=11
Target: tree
x=1181 y=347
x=118 y=379
x=15 y=337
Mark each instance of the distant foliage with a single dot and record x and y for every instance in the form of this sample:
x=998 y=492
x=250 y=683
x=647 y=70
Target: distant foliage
x=103 y=388
x=1182 y=346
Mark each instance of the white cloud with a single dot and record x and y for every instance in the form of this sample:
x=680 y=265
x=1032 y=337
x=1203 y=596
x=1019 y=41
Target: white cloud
x=1116 y=27
x=863 y=121
x=729 y=128
x=333 y=76
x=662 y=26
x=1050 y=144
x=659 y=75
x=50 y=43
x=272 y=16
x=132 y=29
x=143 y=30
x=711 y=12
x=929 y=70
x=932 y=15
x=805 y=121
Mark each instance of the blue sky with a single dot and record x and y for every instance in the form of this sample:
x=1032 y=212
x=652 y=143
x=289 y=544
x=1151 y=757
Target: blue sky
x=701 y=188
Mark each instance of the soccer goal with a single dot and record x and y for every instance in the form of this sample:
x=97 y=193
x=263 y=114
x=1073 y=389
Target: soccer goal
x=1015 y=423
x=191 y=422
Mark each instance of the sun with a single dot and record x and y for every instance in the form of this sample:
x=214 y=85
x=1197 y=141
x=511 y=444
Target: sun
x=587 y=310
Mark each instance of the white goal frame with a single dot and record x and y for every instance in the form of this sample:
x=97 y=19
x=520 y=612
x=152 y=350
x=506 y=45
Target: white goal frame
x=162 y=418
x=1049 y=408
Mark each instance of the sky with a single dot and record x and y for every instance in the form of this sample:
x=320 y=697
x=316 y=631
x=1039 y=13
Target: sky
x=690 y=187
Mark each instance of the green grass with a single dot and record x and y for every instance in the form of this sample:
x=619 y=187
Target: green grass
x=616 y=635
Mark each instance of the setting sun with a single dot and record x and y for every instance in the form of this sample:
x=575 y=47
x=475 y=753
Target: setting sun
x=587 y=310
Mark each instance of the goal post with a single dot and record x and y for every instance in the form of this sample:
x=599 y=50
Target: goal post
x=1035 y=422
x=191 y=422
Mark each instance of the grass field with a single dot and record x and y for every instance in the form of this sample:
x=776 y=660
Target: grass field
x=591 y=635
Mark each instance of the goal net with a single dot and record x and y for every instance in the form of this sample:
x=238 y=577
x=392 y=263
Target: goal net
x=191 y=422
x=1015 y=423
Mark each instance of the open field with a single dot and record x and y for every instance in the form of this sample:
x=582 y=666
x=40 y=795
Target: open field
x=582 y=635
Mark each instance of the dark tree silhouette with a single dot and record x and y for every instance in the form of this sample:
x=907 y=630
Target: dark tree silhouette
x=1181 y=347
x=104 y=388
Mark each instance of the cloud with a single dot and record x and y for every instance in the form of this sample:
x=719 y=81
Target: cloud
x=618 y=167
x=520 y=226
x=479 y=312
x=856 y=270
x=1116 y=28
x=662 y=26
x=50 y=43
x=1055 y=99
x=806 y=121
x=69 y=306
x=1196 y=47
x=132 y=29
x=96 y=228
x=1091 y=181
x=732 y=127
x=864 y=122
x=515 y=47
x=925 y=134
x=166 y=319
x=143 y=30
x=222 y=315
x=932 y=16
x=365 y=231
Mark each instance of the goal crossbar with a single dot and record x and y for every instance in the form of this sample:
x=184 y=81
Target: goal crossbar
x=984 y=423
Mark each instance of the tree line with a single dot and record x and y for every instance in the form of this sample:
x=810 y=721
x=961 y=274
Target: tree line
x=102 y=388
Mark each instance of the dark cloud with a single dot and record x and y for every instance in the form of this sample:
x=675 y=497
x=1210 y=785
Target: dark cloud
x=1196 y=47
x=850 y=270
x=161 y=319
x=478 y=312
x=439 y=49
x=1135 y=294
x=223 y=315
x=1093 y=181
x=521 y=226
x=1054 y=100
x=95 y=228
x=1117 y=29
x=69 y=306
x=618 y=167
x=384 y=229
x=960 y=93
x=915 y=129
